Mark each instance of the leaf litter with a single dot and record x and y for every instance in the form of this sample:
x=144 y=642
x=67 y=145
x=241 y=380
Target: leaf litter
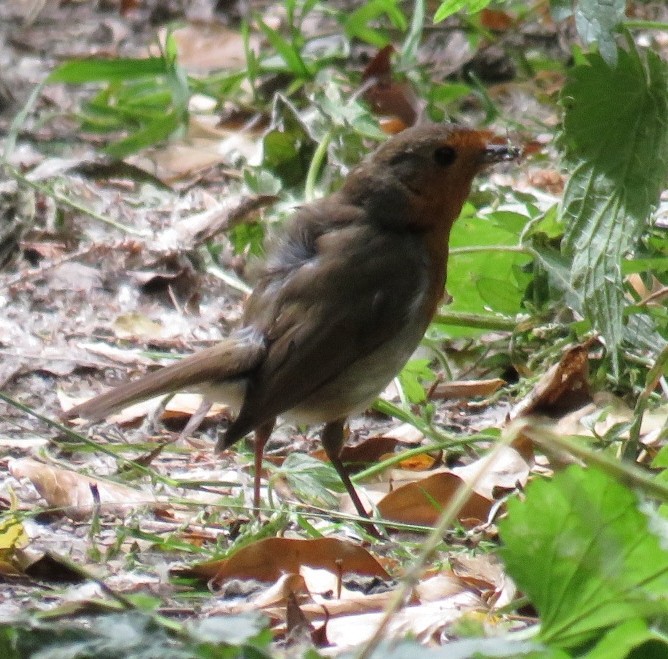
x=80 y=311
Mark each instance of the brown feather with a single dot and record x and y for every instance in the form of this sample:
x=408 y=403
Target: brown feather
x=233 y=358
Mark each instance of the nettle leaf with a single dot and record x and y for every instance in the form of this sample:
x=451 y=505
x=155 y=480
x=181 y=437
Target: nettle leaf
x=615 y=143
x=597 y=21
x=585 y=555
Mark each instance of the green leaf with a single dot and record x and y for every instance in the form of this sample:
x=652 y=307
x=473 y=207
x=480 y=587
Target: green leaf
x=288 y=52
x=485 y=279
x=151 y=133
x=632 y=635
x=105 y=70
x=585 y=555
x=615 y=140
x=358 y=24
x=597 y=21
x=310 y=478
x=450 y=7
x=411 y=377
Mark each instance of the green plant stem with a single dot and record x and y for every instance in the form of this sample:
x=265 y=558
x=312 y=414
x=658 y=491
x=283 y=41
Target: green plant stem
x=316 y=165
x=414 y=572
x=632 y=446
x=473 y=249
x=625 y=473
x=480 y=321
x=66 y=201
x=645 y=25
x=84 y=440
x=385 y=407
x=379 y=467
x=20 y=119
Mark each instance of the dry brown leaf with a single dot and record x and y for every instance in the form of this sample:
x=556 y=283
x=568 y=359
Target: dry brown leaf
x=406 y=433
x=495 y=19
x=205 y=47
x=268 y=559
x=176 y=161
x=485 y=575
x=72 y=493
x=422 y=502
x=456 y=389
x=116 y=354
x=506 y=471
x=298 y=626
x=180 y=405
x=366 y=452
x=423 y=621
x=439 y=587
x=421 y=462
x=278 y=593
x=387 y=96
x=565 y=387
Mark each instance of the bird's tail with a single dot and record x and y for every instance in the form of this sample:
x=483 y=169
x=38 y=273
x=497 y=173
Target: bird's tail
x=231 y=358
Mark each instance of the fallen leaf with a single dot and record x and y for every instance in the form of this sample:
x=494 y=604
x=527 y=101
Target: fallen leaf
x=421 y=462
x=267 y=559
x=422 y=502
x=205 y=47
x=385 y=95
x=71 y=492
x=406 y=433
x=495 y=19
x=565 y=386
x=465 y=388
x=506 y=471
x=366 y=452
x=134 y=325
x=439 y=587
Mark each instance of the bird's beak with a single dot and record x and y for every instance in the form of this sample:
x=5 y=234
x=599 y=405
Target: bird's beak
x=499 y=153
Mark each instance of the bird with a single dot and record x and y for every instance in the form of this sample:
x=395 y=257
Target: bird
x=345 y=295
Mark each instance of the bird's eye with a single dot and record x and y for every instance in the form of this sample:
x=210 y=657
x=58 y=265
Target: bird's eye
x=444 y=156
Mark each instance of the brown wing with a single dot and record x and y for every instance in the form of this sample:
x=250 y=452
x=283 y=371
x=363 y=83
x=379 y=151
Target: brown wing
x=353 y=290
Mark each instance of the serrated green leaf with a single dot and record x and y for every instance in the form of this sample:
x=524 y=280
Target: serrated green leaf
x=597 y=21
x=615 y=141
x=411 y=377
x=585 y=555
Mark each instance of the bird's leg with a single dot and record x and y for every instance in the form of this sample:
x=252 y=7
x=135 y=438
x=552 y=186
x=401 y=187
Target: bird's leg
x=332 y=441
x=262 y=434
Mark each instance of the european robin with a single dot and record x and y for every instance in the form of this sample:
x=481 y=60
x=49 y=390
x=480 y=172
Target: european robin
x=344 y=298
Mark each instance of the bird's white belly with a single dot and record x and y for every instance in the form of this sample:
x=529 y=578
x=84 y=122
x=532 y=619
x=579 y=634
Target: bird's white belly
x=360 y=384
